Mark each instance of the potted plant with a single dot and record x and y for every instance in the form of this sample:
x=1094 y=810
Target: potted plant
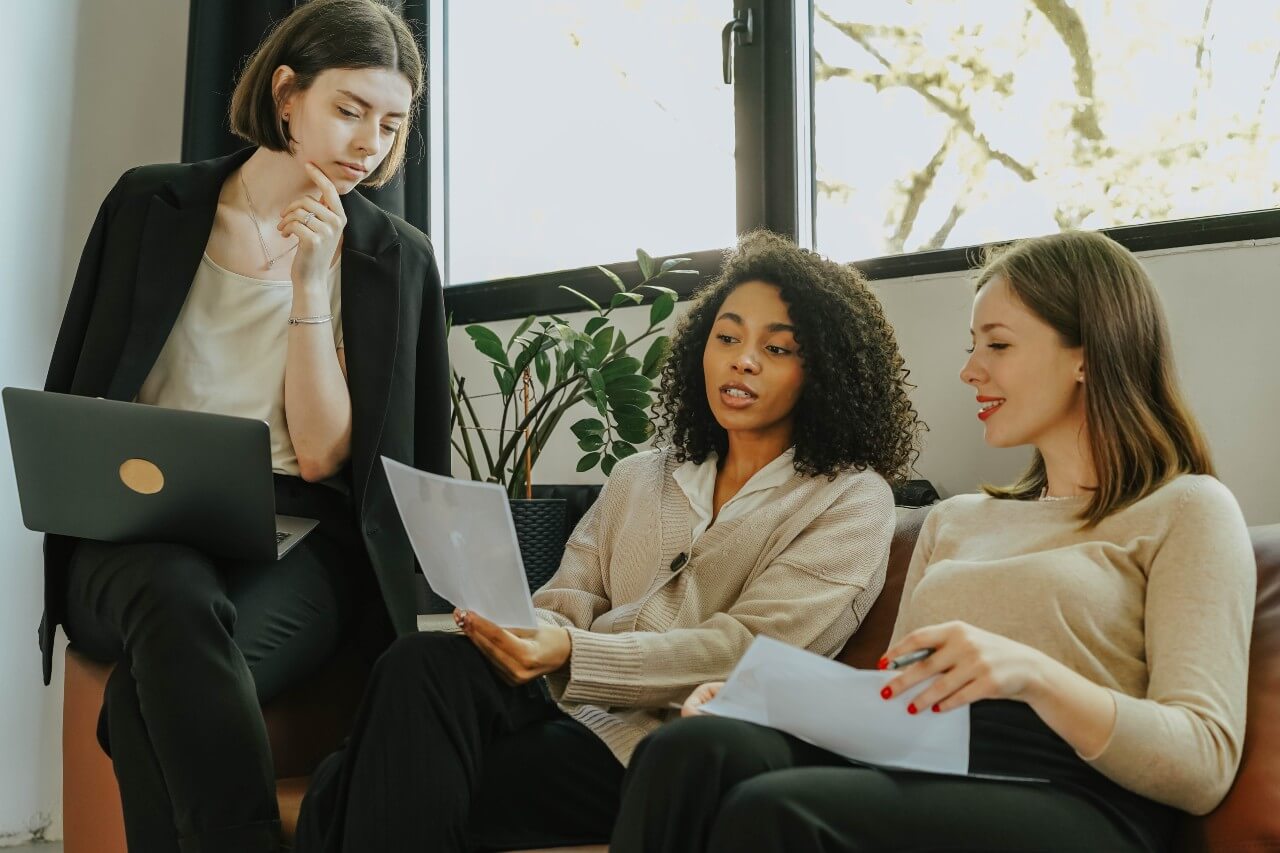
x=544 y=369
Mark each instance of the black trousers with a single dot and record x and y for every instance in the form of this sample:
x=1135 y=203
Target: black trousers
x=199 y=643
x=720 y=785
x=445 y=756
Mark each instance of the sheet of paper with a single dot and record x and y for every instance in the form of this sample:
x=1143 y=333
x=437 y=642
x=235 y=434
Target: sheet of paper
x=839 y=709
x=463 y=536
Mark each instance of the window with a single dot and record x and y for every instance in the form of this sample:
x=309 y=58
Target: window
x=895 y=134
x=579 y=130
x=953 y=123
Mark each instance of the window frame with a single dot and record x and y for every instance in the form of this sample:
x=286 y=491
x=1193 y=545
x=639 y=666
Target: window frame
x=774 y=140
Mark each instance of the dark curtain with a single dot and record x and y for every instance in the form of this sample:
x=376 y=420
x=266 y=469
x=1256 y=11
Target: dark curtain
x=223 y=34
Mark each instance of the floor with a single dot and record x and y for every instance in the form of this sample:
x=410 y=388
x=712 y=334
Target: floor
x=42 y=847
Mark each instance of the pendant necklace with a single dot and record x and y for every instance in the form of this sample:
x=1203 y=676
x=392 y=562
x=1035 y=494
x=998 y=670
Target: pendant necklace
x=257 y=228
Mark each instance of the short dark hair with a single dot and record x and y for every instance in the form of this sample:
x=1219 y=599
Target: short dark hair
x=316 y=37
x=853 y=411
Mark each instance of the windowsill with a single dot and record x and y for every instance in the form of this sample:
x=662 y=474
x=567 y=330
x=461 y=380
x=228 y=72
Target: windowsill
x=541 y=294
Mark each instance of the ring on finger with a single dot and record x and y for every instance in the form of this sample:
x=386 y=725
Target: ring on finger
x=306 y=220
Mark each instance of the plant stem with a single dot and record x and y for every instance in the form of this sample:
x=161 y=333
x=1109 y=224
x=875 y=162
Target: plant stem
x=469 y=454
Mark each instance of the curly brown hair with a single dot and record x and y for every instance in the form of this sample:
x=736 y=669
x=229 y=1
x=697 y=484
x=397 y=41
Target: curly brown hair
x=853 y=411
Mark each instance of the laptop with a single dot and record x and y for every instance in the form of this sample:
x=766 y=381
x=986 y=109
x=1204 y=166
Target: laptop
x=128 y=472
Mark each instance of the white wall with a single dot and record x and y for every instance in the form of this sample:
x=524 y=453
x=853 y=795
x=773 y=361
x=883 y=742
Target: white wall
x=1222 y=301
x=96 y=87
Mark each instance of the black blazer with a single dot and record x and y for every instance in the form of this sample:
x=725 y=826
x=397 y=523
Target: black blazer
x=134 y=275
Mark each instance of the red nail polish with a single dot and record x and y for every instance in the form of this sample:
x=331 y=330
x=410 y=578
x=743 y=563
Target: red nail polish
x=911 y=709
x=887 y=692
x=883 y=663
x=936 y=709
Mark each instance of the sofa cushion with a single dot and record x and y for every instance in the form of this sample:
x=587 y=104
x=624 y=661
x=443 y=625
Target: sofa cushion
x=1249 y=817
x=868 y=643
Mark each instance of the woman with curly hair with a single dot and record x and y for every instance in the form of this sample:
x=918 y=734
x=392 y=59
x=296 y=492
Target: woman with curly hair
x=786 y=407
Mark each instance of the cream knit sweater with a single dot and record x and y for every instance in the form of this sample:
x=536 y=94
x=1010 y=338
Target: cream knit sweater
x=804 y=569
x=1155 y=604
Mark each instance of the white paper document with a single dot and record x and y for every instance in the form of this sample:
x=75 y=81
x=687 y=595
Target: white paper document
x=463 y=536
x=839 y=709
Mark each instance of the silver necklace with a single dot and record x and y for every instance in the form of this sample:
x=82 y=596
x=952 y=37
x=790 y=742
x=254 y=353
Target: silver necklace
x=257 y=228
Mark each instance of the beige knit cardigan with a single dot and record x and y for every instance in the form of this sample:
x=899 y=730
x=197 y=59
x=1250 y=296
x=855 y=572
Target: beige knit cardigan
x=651 y=614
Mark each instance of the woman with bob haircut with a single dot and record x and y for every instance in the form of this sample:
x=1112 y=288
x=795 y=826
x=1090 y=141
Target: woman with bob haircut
x=1094 y=616
x=786 y=413
x=234 y=286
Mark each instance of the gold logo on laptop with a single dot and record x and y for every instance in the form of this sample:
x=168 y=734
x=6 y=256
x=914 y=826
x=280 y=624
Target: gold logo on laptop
x=141 y=476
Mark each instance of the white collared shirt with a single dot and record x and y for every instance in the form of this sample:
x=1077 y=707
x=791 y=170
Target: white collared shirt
x=698 y=482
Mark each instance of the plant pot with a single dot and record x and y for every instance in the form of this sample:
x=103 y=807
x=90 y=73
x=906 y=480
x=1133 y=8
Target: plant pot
x=541 y=529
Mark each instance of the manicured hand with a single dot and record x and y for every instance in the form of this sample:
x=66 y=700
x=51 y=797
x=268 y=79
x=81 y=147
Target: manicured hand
x=699 y=697
x=519 y=654
x=970 y=663
x=317 y=220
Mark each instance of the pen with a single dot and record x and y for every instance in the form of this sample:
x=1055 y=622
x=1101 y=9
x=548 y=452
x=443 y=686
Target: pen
x=908 y=659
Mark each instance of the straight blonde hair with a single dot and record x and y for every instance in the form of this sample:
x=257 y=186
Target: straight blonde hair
x=1097 y=296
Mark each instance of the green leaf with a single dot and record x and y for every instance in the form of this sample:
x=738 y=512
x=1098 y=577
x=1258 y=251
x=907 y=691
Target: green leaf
x=594 y=325
x=628 y=382
x=580 y=356
x=629 y=413
x=561 y=362
x=568 y=334
x=621 y=366
x=597 y=389
x=582 y=296
x=588 y=462
x=586 y=427
x=619 y=343
x=607 y=465
x=671 y=263
x=542 y=367
x=626 y=396
x=622 y=450
x=488 y=343
x=656 y=355
x=646 y=263
x=635 y=431
x=601 y=345
x=657 y=288
x=505 y=378
x=591 y=442
x=525 y=357
x=661 y=308
x=613 y=277
x=681 y=272
x=521 y=329
x=620 y=299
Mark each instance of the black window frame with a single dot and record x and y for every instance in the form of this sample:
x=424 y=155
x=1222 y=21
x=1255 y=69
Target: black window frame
x=768 y=196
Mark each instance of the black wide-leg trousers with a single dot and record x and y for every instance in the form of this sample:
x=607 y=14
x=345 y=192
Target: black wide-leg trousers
x=724 y=786
x=445 y=756
x=199 y=643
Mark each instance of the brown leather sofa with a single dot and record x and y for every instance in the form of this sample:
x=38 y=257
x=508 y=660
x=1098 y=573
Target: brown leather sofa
x=308 y=722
